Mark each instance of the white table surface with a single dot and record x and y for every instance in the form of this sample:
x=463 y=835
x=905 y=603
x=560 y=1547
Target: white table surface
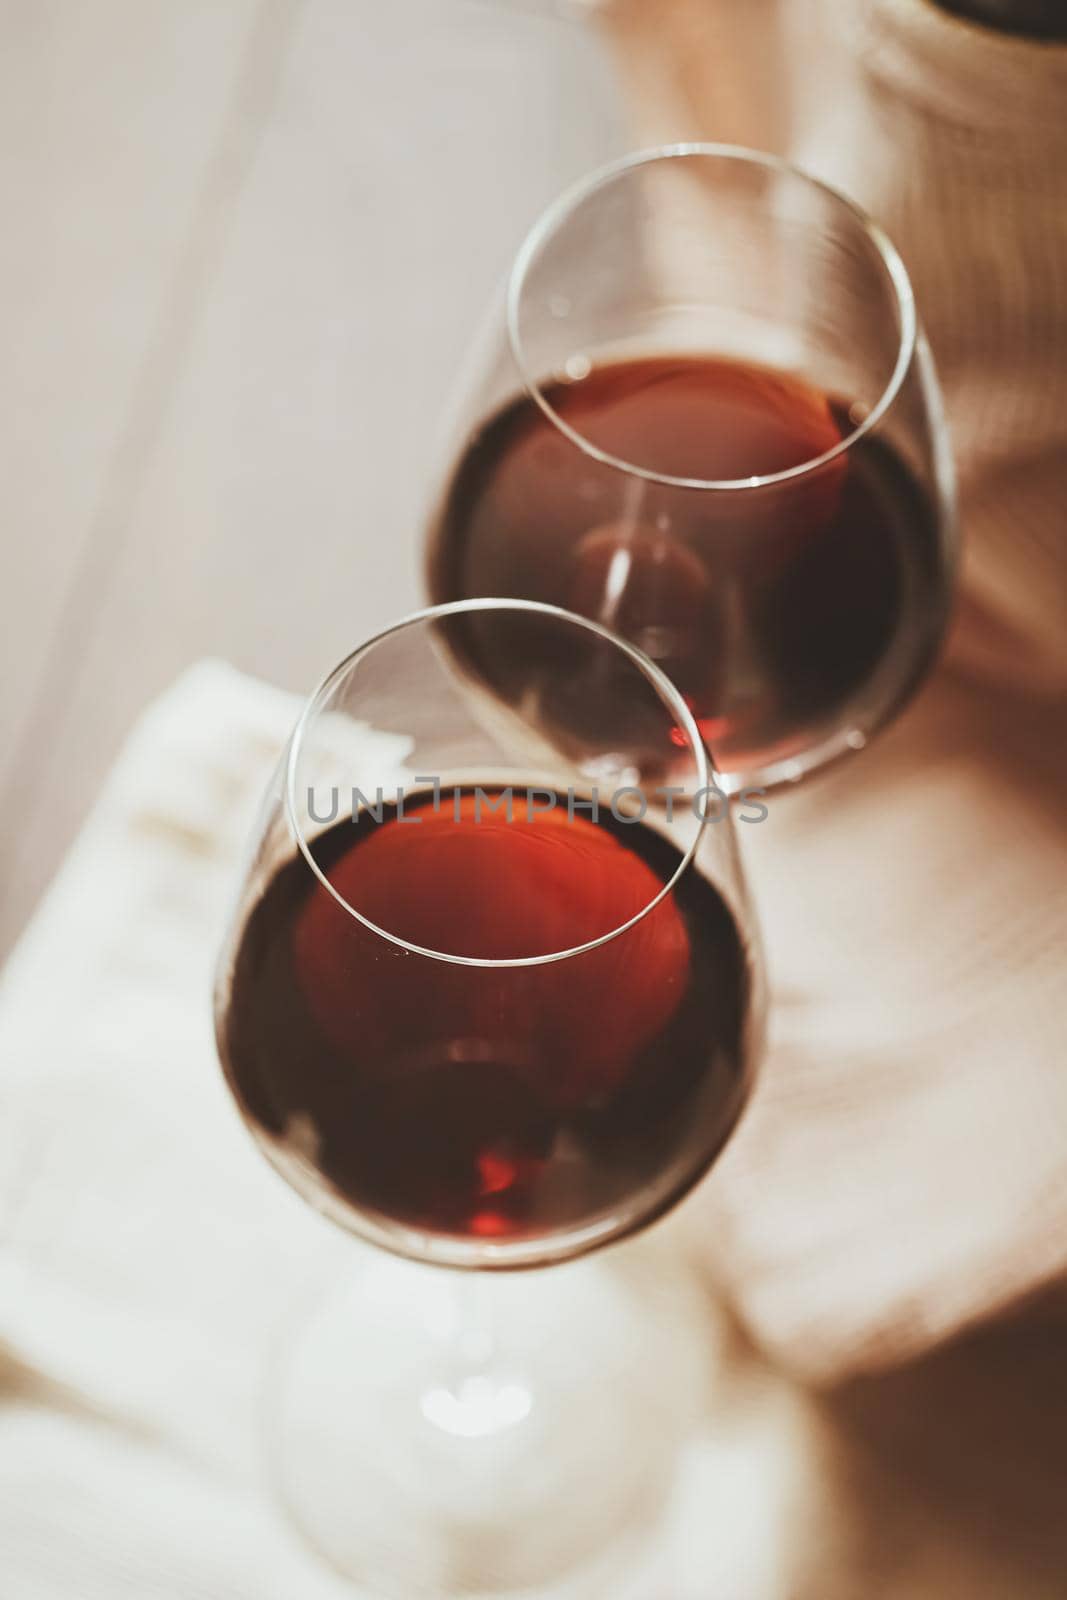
x=245 y=244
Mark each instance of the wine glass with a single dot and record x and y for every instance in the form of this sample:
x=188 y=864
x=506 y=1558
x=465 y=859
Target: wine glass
x=704 y=414
x=490 y=999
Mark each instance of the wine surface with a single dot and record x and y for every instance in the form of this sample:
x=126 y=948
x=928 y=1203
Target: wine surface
x=776 y=610
x=509 y=1102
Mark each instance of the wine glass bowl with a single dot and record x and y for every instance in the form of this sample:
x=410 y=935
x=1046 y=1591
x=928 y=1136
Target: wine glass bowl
x=482 y=1007
x=705 y=415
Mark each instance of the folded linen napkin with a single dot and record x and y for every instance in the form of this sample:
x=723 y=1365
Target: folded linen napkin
x=147 y=1256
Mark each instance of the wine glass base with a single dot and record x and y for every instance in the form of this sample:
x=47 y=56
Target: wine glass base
x=423 y=1457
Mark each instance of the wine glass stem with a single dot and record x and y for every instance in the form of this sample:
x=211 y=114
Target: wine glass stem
x=475 y=1396
x=476 y=1322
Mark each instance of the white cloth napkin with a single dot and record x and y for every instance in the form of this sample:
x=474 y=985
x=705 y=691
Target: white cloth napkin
x=147 y=1256
x=150 y=1259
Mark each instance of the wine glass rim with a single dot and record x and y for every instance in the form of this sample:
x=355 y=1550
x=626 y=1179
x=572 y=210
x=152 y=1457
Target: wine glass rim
x=566 y=203
x=656 y=676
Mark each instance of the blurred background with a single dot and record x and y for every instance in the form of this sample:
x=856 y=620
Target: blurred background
x=248 y=245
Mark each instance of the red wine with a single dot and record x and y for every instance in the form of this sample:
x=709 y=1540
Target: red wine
x=773 y=609
x=511 y=1102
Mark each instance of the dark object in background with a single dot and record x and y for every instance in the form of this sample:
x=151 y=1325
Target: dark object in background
x=1038 y=19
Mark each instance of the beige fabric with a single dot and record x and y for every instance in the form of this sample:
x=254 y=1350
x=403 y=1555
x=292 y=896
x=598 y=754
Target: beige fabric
x=904 y=1168
x=956 y=139
x=700 y=70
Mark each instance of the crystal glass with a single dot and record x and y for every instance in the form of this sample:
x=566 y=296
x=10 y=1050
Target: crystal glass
x=491 y=999
x=704 y=414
